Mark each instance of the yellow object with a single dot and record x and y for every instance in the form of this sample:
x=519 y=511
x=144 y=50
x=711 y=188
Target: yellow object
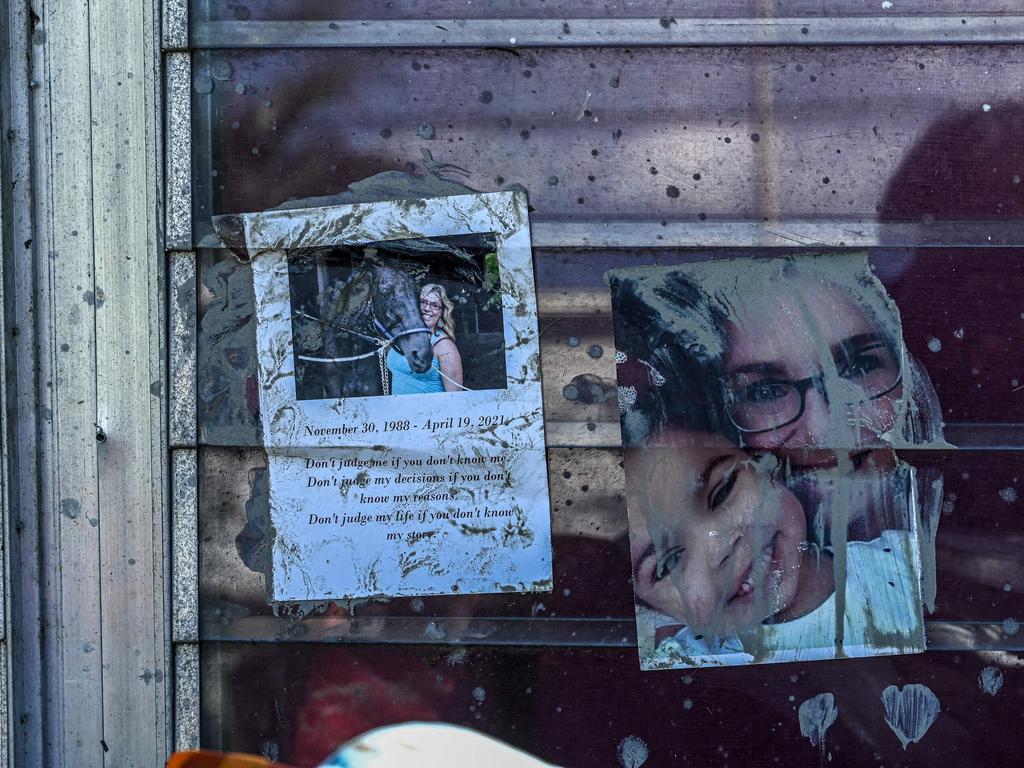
x=205 y=758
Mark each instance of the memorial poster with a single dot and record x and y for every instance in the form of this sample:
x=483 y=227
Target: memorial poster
x=771 y=518
x=400 y=399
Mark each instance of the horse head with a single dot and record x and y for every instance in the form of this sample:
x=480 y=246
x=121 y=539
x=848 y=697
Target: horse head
x=396 y=306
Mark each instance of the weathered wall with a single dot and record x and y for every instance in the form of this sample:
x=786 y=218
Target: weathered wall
x=86 y=419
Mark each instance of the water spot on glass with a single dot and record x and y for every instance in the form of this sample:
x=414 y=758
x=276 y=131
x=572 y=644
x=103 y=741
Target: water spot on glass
x=990 y=680
x=425 y=131
x=1010 y=627
x=632 y=752
x=817 y=714
x=221 y=70
x=934 y=344
x=1008 y=494
x=202 y=84
x=910 y=711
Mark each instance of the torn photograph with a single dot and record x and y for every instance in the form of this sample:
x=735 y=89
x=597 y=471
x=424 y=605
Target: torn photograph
x=399 y=395
x=770 y=518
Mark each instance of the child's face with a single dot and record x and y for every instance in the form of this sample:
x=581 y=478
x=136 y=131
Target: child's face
x=810 y=328
x=715 y=542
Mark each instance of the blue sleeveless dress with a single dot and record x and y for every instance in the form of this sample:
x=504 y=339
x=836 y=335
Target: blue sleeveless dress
x=405 y=381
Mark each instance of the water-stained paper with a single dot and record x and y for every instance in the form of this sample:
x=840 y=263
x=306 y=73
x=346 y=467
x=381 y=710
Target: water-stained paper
x=771 y=519
x=399 y=395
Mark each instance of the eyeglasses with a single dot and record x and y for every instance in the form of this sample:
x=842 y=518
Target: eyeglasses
x=424 y=304
x=770 y=403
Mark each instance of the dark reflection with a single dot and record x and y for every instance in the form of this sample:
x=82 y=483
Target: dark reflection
x=575 y=706
x=966 y=166
x=961 y=307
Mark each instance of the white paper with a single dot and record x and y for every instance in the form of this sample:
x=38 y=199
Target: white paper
x=412 y=494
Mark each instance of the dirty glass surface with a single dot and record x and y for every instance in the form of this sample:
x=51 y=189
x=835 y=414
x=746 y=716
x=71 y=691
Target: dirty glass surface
x=581 y=706
x=268 y=10
x=959 y=309
x=979 y=538
x=700 y=134
x=870 y=137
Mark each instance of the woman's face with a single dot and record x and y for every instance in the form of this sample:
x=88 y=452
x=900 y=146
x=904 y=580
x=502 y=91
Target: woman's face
x=431 y=308
x=816 y=336
x=715 y=542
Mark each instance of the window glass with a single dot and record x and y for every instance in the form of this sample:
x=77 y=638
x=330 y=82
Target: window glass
x=699 y=134
x=813 y=149
x=275 y=10
x=581 y=706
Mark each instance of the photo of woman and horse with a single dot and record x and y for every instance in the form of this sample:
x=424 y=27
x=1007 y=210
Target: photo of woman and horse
x=414 y=316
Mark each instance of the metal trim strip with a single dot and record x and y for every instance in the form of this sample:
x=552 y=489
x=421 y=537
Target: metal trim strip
x=583 y=33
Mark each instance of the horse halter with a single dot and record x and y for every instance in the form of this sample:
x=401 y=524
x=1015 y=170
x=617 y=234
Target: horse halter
x=388 y=339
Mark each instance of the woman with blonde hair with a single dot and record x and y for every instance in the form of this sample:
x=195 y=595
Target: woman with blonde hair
x=445 y=372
